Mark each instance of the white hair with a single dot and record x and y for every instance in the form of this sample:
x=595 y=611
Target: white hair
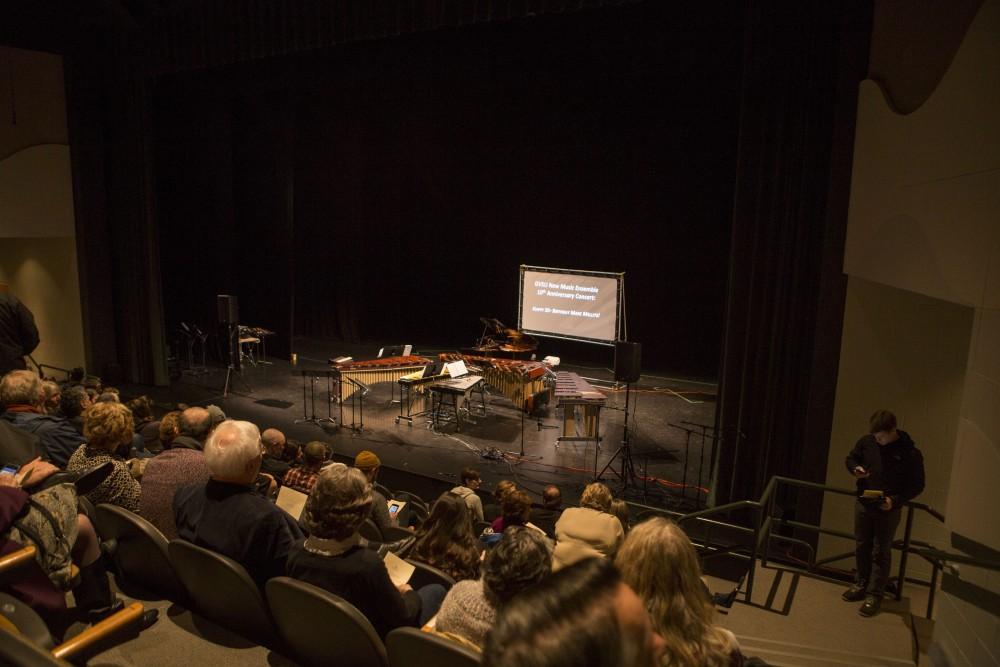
x=21 y=387
x=232 y=451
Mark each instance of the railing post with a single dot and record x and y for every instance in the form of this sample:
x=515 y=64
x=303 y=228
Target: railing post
x=906 y=552
x=753 y=555
x=930 y=596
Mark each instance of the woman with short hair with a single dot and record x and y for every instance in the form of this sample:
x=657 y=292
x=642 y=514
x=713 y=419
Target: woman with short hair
x=108 y=428
x=589 y=530
x=333 y=557
x=660 y=564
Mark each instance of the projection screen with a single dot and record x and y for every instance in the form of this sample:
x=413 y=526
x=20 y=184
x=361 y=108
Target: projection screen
x=574 y=305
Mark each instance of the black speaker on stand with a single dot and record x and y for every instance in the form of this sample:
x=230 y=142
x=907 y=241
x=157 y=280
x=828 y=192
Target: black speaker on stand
x=229 y=323
x=628 y=368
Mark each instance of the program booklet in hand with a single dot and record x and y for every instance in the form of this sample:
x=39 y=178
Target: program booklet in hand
x=291 y=501
x=399 y=570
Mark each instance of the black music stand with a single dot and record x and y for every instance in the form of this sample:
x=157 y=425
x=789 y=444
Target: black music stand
x=313 y=373
x=524 y=409
x=234 y=367
x=627 y=474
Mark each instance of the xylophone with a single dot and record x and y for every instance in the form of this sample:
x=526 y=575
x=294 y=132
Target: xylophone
x=387 y=369
x=574 y=394
x=520 y=381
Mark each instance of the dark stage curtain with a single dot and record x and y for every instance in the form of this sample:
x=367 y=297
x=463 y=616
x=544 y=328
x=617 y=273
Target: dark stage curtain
x=802 y=65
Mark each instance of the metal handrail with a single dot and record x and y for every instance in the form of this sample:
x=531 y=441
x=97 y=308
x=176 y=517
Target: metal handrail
x=763 y=522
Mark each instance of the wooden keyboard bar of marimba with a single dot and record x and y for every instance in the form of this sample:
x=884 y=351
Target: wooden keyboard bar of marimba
x=580 y=402
x=373 y=371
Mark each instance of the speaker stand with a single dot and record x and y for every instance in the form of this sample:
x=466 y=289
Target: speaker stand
x=627 y=474
x=231 y=370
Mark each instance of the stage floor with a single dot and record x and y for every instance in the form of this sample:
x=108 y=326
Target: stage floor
x=272 y=396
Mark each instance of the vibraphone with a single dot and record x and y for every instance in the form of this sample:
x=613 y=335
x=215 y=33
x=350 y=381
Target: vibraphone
x=372 y=371
x=520 y=381
x=581 y=404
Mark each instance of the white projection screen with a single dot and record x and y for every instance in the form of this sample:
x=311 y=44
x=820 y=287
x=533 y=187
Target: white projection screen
x=575 y=305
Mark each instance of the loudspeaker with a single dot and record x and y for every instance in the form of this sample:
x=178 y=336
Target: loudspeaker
x=229 y=309
x=628 y=361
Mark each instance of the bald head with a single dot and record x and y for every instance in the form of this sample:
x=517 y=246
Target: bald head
x=274 y=441
x=196 y=423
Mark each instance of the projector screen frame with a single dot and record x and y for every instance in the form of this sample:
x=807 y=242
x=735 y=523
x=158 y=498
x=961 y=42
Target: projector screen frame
x=619 y=277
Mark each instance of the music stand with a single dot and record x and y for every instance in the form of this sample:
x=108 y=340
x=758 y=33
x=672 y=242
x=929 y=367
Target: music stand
x=627 y=474
x=234 y=355
x=313 y=373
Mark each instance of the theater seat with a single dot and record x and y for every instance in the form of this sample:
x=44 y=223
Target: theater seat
x=222 y=591
x=409 y=647
x=369 y=530
x=427 y=574
x=139 y=551
x=321 y=629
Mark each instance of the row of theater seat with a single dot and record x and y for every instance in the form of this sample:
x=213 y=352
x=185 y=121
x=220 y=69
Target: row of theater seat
x=309 y=624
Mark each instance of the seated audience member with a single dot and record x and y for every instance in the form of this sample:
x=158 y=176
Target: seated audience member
x=368 y=463
x=273 y=462
x=515 y=509
x=492 y=511
x=21 y=395
x=92 y=592
x=303 y=477
x=588 y=530
x=52 y=397
x=333 y=558
x=73 y=402
x=658 y=561
x=467 y=492
x=170 y=428
x=521 y=559
x=620 y=509
x=181 y=465
x=146 y=426
x=108 y=428
x=223 y=514
x=445 y=539
x=108 y=396
x=546 y=514
x=218 y=416
x=194 y=425
x=583 y=615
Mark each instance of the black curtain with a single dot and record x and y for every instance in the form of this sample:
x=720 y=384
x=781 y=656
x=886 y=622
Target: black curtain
x=803 y=62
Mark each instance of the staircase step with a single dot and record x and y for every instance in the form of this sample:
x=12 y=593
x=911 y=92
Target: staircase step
x=780 y=654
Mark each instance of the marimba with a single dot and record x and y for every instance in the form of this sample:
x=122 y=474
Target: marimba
x=519 y=381
x=372 y=371
x=581 y=404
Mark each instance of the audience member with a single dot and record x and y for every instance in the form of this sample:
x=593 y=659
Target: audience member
x=18 y=333
x=193 y=428
x=333 y=558
x=515 y=509
x=223 y=514
x=492 y=511
x=369 y=463
x=273 y=462
x=546 y=514
x=181 y=465
x=619 y=508
x=72 y=404
x=170 y=428
x=218 y=416
x=108 y=428
x=51 y=396
x=521 y=559
x=303 y=477
x=659 y=562
x=21 y=395
x=582 y=616
x=108 y=396
x=588 y=530
x=467 y=492
x=445 y=539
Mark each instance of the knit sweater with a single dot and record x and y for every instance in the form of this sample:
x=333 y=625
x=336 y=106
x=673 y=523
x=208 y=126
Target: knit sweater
x=467 y=612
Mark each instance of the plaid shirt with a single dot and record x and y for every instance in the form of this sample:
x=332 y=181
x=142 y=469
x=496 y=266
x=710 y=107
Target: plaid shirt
x=302 y=478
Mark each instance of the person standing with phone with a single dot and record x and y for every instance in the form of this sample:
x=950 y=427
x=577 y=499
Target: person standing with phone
x=889 y=471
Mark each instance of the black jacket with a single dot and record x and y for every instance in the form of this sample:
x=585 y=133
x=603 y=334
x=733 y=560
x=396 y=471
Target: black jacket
x=897 y=469
x=18 y=333
x=56 y=435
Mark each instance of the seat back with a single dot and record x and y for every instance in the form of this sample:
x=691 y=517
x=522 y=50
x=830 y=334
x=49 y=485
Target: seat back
x=428 y=574
x=139 y=551
x=18 y=651
x=322 y=629
x=409 y=647
x=369 y=530
x=384 y=490
x=222 y=591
